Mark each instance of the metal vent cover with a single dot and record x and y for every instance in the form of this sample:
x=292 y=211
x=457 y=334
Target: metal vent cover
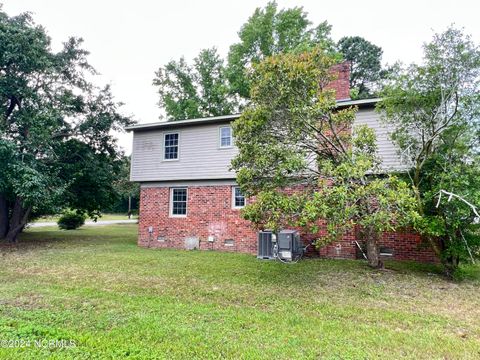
x=264 y=245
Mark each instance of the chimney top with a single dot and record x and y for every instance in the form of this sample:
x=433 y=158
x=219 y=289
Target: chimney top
x=341 y=84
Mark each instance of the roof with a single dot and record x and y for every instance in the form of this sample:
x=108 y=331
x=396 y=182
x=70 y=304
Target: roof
x=360 y=103
x=180 y=123
x=229 y=118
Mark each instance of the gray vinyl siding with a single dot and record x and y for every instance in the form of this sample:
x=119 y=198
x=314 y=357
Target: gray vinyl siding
x=386 y=149
x=201 y=158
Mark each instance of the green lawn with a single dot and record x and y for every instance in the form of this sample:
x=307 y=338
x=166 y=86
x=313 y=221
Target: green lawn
x=96 y=287
x=54 y=218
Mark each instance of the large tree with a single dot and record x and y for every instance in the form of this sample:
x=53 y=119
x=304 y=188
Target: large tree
x=189 y=91
x=365 y=65
x=209 y=88
x=434 y=110
x=56 y=144
x=270 y=31
x=301 y=162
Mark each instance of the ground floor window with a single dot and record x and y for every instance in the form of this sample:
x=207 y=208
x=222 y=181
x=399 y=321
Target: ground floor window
x=238 y=200
x=178 y=202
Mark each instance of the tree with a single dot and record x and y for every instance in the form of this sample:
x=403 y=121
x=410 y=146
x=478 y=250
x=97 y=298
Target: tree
x=209 y=88
x=56 y=145
x=365 y=65
x=126 y=190
x=299 y=159
x=434 y=110
x=194 y=91
x=214 y=91
x=268 y=32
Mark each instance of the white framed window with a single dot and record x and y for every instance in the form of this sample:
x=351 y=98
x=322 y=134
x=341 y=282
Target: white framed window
x=225 y=137
x=178 y=202
x=238 y=200
x=171 y=143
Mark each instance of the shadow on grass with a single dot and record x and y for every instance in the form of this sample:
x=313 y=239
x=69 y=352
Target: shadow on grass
x=414 y=267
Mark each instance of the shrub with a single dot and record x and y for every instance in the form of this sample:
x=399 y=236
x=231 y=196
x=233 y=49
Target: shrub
x=71 y=220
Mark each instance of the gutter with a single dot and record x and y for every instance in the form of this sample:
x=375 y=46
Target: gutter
x=364 y=103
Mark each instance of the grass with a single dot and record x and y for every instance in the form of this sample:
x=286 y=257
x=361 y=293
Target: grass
x=115 y=300
x=54 y=218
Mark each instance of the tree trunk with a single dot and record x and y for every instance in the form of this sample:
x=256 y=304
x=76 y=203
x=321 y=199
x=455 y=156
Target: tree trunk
x=449 y=262
x=17 y=221
x=373 y=253
x=129 y=207
x=450 y=265
x=3 y=216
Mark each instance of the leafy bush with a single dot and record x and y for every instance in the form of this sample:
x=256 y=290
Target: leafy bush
x=71 y=220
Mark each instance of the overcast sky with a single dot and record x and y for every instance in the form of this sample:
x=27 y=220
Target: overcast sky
x=129 y=40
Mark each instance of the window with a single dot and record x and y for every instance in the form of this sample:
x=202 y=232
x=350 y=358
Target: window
x=178 y=202
x=238 y=200
x=171 y=147
x=226 y=137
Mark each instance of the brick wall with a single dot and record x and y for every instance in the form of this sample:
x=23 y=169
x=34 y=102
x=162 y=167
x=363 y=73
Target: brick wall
x=341 y=84
x=210 y=214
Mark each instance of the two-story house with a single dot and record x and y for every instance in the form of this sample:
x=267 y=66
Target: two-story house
x=189 y=197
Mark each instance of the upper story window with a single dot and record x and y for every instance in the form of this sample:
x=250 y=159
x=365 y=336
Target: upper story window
x=238 y=200
x=170 y=147
x=226 y=138
x=178 y=202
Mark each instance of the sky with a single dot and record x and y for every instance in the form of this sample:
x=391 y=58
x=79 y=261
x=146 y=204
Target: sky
x=129 y=40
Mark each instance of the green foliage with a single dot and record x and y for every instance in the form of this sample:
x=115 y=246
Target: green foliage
x=128 y=192
x=56 y=139
x=434 y=109
x=178 y=94
x=194 y=91
x=276 y=132
x=270 y=31
x=299 y=158
x=214 y=91
x=71 y=220
x=209 y=88
x=365 y=65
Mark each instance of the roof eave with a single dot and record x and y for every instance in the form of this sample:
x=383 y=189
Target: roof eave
x=363 y=103
x=180 y=123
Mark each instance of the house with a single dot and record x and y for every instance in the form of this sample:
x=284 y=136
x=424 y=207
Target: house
x=189 y=197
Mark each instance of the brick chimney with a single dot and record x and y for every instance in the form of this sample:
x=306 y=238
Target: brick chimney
x=341 y=85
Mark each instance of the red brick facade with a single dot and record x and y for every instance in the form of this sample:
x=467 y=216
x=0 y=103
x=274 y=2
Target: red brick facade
x=210 y=217
x=341 y=84
x=209 y=214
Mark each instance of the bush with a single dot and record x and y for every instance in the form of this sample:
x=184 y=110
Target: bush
x=71 y=220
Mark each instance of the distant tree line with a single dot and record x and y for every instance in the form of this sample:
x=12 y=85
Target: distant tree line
x=213 y=86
